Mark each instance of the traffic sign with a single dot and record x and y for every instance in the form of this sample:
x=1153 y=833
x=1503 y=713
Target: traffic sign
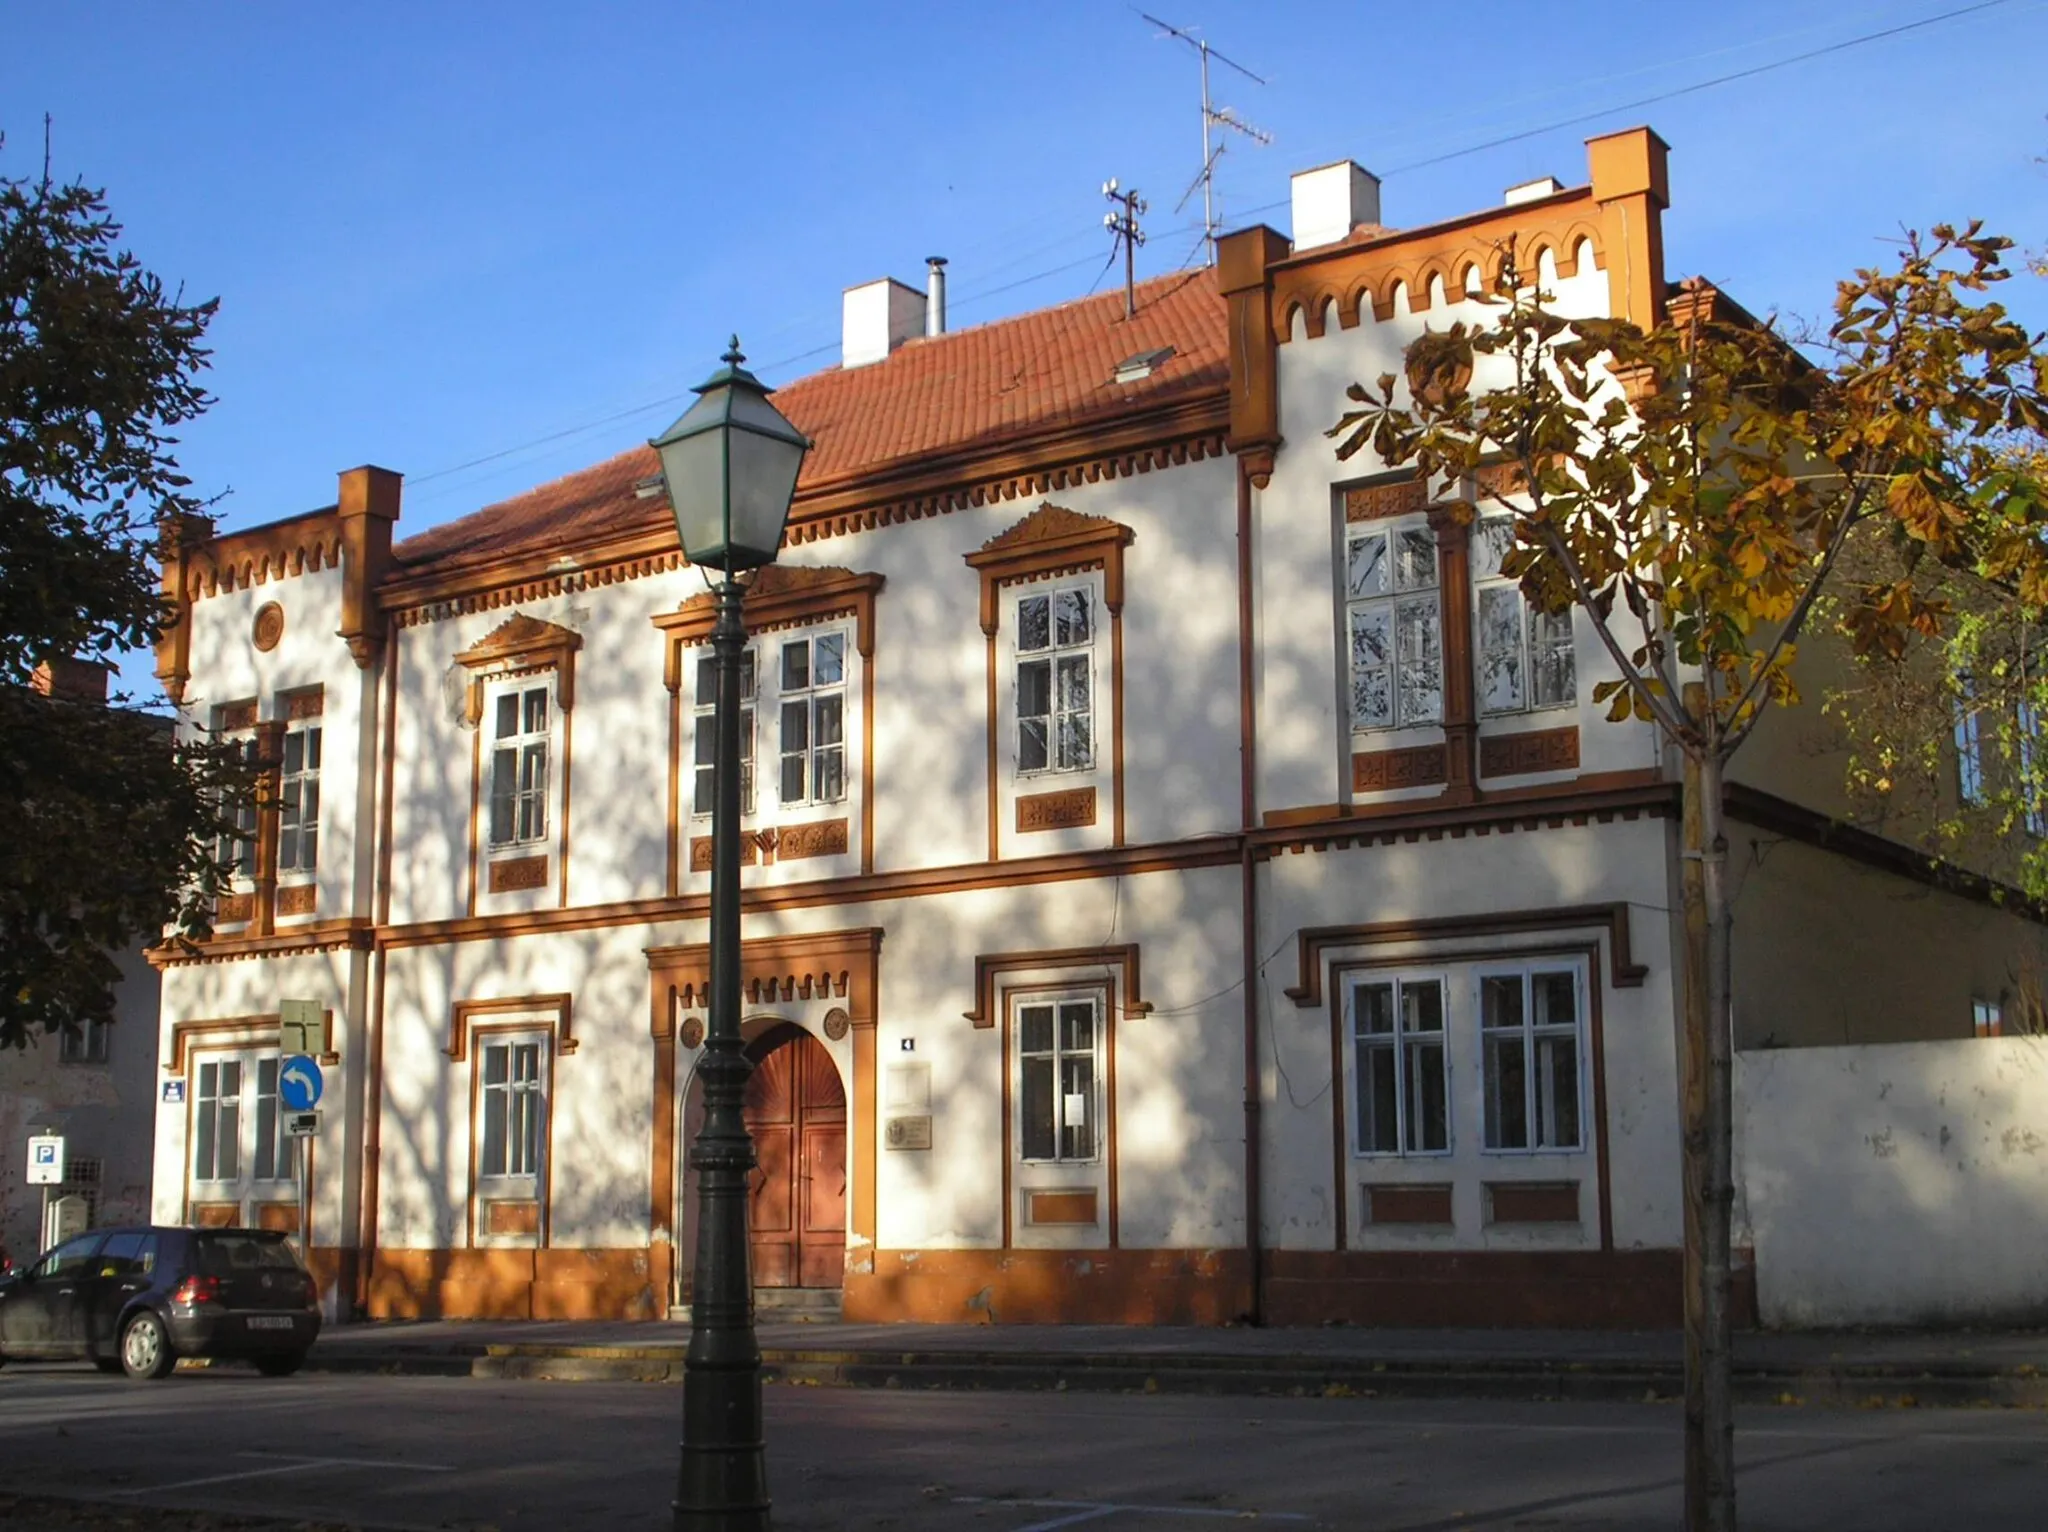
x=302 y=1125
x=302 y=1026
x=46 y=1160
x=299 y=1084
x=174 y=1093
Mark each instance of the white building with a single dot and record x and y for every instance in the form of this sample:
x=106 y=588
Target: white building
x=1183 y=882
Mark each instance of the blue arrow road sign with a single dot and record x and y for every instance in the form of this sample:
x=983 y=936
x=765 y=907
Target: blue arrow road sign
x=299 y=1084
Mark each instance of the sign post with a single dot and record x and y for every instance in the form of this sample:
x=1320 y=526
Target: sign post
x=299 y=1087
x=46 y=1169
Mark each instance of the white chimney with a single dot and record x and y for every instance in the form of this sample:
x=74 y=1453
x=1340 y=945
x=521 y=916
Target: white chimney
x=1533 y=191
x=1332 y=200
x=935 y=295
x=876 y=318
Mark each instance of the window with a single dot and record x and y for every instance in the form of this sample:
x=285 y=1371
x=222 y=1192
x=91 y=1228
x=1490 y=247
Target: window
x=130 y=1253
x=1529 y=1043
x=227 y=1138
x=2027 y=722
x=512 y=1111
x=519 y=767
x=1400 y=1082
x=706 y=732
x=235 y=849
x=1987 y=1018
x=1969 y=748
x=1055 y=681
x=813 y=695
x=69 y=1259
x=298 y=844
x=1397 y=664
x=85 y=1044
x=1059 y=1065
x=1524 y=657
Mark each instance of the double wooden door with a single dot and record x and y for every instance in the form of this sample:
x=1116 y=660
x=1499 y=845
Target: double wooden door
x=796 y=1112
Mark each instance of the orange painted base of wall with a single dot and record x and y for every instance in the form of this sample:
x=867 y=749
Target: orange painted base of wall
x=514 y=1284
x=1110 y=1287
x=1562 y=1289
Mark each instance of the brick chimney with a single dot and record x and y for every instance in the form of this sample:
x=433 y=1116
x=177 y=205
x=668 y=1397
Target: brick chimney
x=69 y=680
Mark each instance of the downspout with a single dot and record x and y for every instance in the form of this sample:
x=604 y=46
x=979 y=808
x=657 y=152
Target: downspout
x=1248 y=895
x=373 y=1062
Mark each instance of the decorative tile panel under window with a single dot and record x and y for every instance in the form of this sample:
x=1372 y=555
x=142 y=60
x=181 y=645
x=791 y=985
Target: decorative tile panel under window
x=1055 y=681
x=1390 y=587
x=1524 y=658
x=1059 y=1069
x=511 y=1137
x=1530 y=1059
x=298 y=843
x=85 y=1045
x=704 y=732
x=1400 y=1077
x=520 y=734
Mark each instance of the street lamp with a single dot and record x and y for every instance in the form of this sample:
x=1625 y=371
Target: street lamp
x=730 y=466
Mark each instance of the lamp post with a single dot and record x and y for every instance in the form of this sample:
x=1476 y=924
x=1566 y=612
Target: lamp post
x=730 y=465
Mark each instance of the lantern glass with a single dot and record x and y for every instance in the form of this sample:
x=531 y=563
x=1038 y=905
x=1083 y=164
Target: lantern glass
x=730 y=465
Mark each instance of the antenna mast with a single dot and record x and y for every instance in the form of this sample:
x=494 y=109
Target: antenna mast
x=1123 y=226
x=1213 y=116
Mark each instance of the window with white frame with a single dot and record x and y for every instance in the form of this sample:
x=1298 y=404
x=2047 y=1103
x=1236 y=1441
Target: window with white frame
x=1529 y=1025
x=235 y=847
x=1390 y=588
x=811 y=686
x=521 y=728
x=1524 y=658
x=233 y=1145
x=1056 y=680
x=1059 y=1074
x=705 y=733
x=84 y=1044
x=512 y=1116
x=1400 y=1075
x=298 y=830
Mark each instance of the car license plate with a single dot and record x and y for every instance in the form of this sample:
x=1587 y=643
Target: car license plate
x=270 y=1322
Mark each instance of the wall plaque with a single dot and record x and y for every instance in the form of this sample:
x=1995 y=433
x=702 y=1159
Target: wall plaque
x=907 y=1133
x=1071 y=809
x=268 y=627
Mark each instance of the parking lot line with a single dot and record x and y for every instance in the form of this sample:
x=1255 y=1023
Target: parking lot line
x=288 y=1464
x=1096 y=1510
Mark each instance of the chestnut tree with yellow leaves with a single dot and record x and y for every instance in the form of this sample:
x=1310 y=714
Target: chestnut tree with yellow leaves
x=1692 y=489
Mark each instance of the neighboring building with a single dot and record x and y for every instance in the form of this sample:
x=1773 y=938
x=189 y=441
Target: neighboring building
x=94 y=1087
x=1184 y=881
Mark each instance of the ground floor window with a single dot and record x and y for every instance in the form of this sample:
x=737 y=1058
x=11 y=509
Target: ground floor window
x=511 y=1136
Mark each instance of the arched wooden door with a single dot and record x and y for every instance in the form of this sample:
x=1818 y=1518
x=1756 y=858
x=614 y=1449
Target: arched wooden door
x=796 y=1112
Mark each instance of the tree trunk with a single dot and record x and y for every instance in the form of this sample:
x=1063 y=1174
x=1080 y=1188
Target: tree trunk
x=1707 y=1137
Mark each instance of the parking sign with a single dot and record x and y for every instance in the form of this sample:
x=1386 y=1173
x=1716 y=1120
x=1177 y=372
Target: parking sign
x=46 y=1160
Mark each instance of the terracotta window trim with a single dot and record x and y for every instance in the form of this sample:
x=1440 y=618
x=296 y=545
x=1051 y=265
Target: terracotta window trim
x=517 y=648
x=1051 y=543
x=557 y=1010
x=536 y=1027
x=1042 y=982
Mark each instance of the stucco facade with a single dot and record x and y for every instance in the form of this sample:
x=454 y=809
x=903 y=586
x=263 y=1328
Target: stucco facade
x=1182 y=882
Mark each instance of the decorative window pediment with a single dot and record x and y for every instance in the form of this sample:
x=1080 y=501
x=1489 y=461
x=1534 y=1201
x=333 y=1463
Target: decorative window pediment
x=779 y=596
x=1050 y=542
x=522 y=643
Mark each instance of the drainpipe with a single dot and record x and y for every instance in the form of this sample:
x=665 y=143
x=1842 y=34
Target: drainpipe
x=1248 y=895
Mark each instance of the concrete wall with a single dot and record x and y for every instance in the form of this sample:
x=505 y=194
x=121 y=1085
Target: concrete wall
x=1897 y=1184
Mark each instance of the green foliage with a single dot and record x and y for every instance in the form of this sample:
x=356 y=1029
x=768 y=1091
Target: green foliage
x=1693 y=486
x=110 y=819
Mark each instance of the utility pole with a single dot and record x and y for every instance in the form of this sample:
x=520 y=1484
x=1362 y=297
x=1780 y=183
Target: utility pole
x=1123 y=225
x=1213 y=117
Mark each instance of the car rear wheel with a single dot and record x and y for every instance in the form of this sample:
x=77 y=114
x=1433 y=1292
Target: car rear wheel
x=145 y=1348
x=281 y=1366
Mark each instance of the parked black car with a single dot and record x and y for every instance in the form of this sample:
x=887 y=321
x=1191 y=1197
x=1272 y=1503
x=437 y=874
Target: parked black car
x=138 y=1299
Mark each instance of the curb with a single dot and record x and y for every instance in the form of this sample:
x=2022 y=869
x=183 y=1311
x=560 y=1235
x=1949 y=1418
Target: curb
x=1839 y=1386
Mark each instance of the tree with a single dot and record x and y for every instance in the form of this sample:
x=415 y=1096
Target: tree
x=111 y=821
x=1692 y=489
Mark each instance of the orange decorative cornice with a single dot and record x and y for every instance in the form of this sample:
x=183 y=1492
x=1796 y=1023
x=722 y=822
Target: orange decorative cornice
x=778 y=596
x=834 y=965
x=1051 y=541
x=522 y=643
x=282 y=550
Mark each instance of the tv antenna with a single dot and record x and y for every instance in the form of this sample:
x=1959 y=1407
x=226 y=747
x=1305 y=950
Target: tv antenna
x=1213 y=117
x=1123 y=228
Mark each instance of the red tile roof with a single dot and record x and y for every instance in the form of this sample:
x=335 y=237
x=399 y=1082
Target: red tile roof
x=979 y=388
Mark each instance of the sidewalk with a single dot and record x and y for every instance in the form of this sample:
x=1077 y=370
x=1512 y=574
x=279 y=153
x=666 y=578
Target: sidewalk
x=1891 y=1368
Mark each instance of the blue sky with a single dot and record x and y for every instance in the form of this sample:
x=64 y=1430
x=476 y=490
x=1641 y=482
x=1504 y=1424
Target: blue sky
x=443 y=232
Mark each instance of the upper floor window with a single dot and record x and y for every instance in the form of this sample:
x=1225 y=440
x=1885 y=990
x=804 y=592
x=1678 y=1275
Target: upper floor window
x=705 y=733
x=1397 y=664
x=1524 y=658
x=235 y=847
x=1055 y=681
x=520 y=732
x=1969 y=744
x=84 y=1044
x=813 y=719
x=298 y=791
x=2027 y=725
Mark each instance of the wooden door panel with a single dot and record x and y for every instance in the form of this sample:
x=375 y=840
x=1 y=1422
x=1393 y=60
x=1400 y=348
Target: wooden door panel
x=825 y=1179
x=796 y=1111
x=773 y=1183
